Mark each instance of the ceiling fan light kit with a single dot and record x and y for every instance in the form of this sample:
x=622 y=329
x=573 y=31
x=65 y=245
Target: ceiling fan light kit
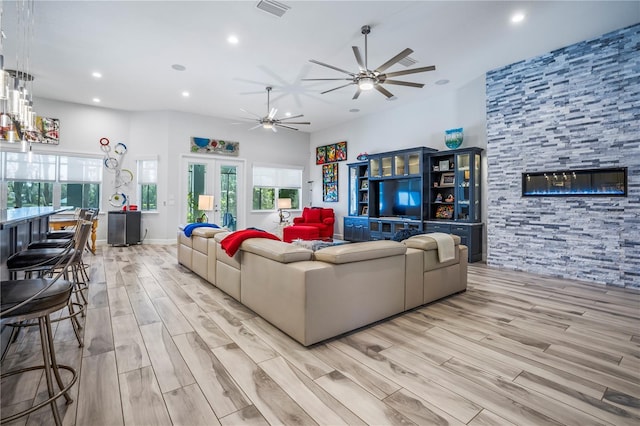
x=366 y=79
x=270 y=121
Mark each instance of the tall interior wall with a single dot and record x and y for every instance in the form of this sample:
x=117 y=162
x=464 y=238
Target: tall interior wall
x=574 y=108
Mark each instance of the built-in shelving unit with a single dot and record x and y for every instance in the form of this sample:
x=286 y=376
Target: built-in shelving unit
x=418 y=189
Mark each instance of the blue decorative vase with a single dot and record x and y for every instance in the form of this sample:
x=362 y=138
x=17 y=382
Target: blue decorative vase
x=453 y=138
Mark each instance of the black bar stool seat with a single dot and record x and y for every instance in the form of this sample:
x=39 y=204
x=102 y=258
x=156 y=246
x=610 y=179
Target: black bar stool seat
x=16 y=291
x=60 y=235
x=49 y=243
x=42 y=257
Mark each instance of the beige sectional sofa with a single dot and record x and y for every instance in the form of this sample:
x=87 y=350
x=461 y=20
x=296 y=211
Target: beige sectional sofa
x=313 y=296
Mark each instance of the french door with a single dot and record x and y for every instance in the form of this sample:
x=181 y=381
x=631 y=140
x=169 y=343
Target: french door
x=221 y=178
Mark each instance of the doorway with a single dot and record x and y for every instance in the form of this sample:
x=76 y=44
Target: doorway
x=218 y=177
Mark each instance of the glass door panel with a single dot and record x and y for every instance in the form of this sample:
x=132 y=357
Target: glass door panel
x=386 y=166
x=353 y=191
x=414 y=163
x=399 y=165
x=227 y=207
x=462 y=186
x=374 y=166
x=476 y=187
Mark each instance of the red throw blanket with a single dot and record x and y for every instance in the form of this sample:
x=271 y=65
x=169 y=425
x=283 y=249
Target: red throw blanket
x=231 y=243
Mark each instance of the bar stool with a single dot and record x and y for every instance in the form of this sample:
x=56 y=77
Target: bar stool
x=37 y=299
x=43 y=261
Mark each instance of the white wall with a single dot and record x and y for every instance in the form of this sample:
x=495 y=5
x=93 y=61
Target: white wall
x=167 y=135
x=418 y=124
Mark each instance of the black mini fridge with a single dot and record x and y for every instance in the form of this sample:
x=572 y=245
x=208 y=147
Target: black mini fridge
x=124 y=228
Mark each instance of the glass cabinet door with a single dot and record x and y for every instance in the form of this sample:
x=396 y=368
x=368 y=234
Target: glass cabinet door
x=353 y=191
x=462 y=182
x=386 y=166
x=414 y=163
x=476 y=188
x=374 y=167
x=399 y=166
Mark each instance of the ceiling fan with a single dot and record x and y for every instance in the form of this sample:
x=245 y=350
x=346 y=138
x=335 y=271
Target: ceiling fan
x=270 y=121
x=367 y=79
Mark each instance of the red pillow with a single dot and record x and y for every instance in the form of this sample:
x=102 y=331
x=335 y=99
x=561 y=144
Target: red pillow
x=312 y=215
x=326 y=213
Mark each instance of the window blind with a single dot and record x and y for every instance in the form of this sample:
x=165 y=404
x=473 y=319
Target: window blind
x=277 y=177
x=80 y=169
x=41 y=168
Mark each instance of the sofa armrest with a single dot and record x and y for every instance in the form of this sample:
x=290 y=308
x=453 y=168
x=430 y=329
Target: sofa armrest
x=328 y=221
x=298 y=220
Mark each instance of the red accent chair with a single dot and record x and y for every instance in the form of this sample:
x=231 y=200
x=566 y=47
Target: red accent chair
x=320 y=218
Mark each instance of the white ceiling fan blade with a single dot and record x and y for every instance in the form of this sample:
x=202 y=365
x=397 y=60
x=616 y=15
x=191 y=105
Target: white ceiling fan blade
x=287 y=127
x=403 y=83
x=406 y=52
x=292 y=117
x=384 y=91
x=411 y=71
x=255 y=127
x=356 y=53
x=330 y=66
x=294 y=122
x=336 y=88
x=272 y=113
x=274 y=128
x=249 y=112
x=324 y=79
x=355 y=95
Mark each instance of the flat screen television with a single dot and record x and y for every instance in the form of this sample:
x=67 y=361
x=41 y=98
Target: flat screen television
x=400 y=198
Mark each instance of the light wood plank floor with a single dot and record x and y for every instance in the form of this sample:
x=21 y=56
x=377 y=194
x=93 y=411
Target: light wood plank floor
x=162 y=346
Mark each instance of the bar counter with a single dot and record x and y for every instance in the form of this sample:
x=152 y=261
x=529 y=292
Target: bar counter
x=19 y=227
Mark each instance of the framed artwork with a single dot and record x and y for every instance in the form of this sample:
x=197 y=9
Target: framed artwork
x=47 y=131
x=214 y=146
x=447 y=179
x=331 y=153
x=330 y=182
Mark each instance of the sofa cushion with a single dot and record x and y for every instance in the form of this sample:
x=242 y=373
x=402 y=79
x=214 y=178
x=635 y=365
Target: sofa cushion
x=276 y=250
x=207 y=232
x=356 y=252
x=425 y=242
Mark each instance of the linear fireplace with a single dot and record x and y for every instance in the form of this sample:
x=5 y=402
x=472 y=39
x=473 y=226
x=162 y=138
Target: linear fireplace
x=606 y=182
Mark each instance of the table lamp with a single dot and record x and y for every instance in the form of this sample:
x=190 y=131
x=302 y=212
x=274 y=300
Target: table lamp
x=205 y=203
x=284 y=203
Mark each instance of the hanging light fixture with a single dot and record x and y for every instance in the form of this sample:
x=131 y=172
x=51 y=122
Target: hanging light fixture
x=16 y=85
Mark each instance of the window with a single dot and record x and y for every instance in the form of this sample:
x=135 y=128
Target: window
x=271 y=183
x=29 y=183
x=80 y=179
x=52 y=180
x=148 y=184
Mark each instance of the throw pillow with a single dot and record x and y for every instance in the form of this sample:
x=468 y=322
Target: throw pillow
x=403 y=234
x=312 y=215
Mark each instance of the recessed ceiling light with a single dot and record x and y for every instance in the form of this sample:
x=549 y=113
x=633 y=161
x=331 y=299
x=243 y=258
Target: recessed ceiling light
x=96 y=100
x=185 y=94
x=232 y=39
x=96 y=74
x=442 y=82
x=178 y=67
x=517 y=17
x=354 y=110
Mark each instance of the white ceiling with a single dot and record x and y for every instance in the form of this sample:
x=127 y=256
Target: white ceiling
x=134 y=43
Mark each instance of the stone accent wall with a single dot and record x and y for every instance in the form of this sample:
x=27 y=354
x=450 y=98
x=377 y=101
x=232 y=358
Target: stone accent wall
x=574 y=108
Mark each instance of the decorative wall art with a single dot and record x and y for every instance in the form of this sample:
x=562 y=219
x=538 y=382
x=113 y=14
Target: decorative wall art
x=122 y=177
x=330 y=182
x=214 y=146
x=47 y=131
x=331 y=153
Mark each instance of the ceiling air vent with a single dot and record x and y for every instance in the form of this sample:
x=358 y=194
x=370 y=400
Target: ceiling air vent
x=273 y=7
x=408 y=61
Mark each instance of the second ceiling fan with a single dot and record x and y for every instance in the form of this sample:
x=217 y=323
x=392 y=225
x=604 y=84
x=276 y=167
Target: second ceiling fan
x=367 y=79
x=270 y=121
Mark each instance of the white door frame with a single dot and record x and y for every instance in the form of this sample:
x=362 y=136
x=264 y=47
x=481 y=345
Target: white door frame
x=213 y=163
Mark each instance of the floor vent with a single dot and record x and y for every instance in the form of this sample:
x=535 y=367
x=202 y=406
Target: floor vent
x=273 y=7
x=408 y=61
